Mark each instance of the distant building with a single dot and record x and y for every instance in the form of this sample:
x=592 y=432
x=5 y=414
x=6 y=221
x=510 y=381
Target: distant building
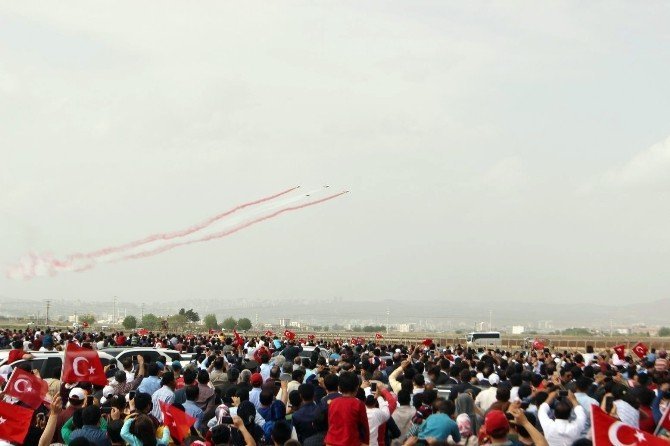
x=284 y=322
x=518 y=329
x=405 y=328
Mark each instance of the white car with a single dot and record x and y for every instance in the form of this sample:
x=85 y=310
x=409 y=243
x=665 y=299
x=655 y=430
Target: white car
x=49 y=364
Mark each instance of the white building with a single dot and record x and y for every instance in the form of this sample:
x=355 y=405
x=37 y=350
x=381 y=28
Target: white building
x=518 y=329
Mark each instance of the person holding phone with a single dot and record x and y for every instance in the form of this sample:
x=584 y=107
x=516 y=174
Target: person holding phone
x=562 y=430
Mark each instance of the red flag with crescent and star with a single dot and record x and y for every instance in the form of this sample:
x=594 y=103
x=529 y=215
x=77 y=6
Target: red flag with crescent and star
x=379 y=336
x=608 y=431
x=178 y=421
x=538 y=345
x=640 y=350
x=14 y=422
x=82 y=365
x=289 y=334
x=28 y=388
x=620 y=350
x=239 y=340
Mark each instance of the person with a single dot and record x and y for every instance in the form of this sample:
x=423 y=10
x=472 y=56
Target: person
x=487 y=397
x=347 y=417
x=464 y=424
x=191 y=407
x=562 y=431
x=303 y=418
x=403 y=416
x=76 y=399
x=256 y=384
x=225 y=435
x=152 y=382
x=439 y=426
x=143 y=432
x=17 y=352
x=378 y=413
x=164 y=394
x=90 y=430
x=582 y=385
x=331 y=384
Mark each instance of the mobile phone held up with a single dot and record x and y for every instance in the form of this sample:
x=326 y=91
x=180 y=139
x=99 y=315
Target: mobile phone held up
x=373 y=387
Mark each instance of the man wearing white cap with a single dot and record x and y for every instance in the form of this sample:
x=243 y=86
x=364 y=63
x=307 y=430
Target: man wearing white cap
x=487 y=397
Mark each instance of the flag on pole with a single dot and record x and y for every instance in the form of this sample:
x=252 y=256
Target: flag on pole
x=14 y=422
x=27 y=387
x=608 y=431
x=620 y=350
x=640 y=350
x=378 y=336
x=178 y=421
x=82 y=365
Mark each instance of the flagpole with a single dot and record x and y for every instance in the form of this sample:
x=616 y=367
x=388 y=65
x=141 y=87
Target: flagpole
x=660 y=422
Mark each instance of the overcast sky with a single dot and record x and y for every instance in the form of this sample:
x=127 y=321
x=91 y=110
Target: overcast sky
x=508 y=150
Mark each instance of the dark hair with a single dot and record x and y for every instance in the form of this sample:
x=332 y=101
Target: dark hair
x=90 y=415
x=80 y=441
x=348 y=382
x=294 y=399
x=583 y=383
x=152 y=369
x=446 y=406
x=114 y=430
x=502 y=394
x=167 y=378
x=404 y=398
x=142 y=402
x=562 y=410
x=220 y=434
x=331 y=382
x=203 y=377
x=190 y=376
x=306 y=392
x=266 y=397
x=144 y=430
x=191 y=392
x=281 y=432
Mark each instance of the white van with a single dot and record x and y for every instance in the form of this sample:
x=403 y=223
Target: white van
x=485 y=339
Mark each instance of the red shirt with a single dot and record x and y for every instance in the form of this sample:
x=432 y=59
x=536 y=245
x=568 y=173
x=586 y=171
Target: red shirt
x=15 y=354
x=347 y=422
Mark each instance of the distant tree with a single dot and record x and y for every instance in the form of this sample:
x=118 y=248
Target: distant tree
x=150 y=321
x=244 y=324
x=664 y=331
x=191 y=315
x=178 y=321
x=86 y=318
x=130 y=322
x=576 y=331
x=356 y=328
x=210 y=322
x=374 y=328
x=229 y=323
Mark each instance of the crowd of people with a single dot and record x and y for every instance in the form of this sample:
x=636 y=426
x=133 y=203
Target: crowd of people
x=275 y=390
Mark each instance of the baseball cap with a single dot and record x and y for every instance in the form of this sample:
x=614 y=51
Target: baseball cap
x=160 y=365
x=496 y=422
x=77 y=393
x=176 y=365
x=108 y=391
x=494 y=379
x=256 y=379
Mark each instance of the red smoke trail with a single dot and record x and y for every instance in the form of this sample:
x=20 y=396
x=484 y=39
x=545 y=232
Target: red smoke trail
x=170 y=235
x=225 y=233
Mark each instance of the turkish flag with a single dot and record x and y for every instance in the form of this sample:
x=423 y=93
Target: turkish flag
x=27 y=387
x=664 y=422
x=142 y=332
x=608 y=431
x=311 y=337
x=14 y=422
x=178 y=421
x=289 y=334
x=538 y=345
x=620 y=350
x=82 y=365
x=379 y=336
x=640 y=350
x=269 y=334
x=258 y=354
x=427 y=342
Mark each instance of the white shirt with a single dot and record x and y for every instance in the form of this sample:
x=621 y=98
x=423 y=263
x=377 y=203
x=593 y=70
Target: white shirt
x=561 y=432
x=485 y=398
x=377 y=417
x=627 y=414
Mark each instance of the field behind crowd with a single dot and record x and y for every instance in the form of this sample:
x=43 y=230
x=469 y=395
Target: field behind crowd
x=508 y=342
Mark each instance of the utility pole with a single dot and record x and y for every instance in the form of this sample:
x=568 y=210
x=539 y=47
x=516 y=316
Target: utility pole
x=142 y=311
x=388 y=314
x=48 y=302
x=115 y=317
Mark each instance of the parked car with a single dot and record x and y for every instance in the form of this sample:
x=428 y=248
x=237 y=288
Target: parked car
x=149 y=354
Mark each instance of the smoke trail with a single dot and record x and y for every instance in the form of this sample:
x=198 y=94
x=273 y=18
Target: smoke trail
x=174 y=234
x=225 y=233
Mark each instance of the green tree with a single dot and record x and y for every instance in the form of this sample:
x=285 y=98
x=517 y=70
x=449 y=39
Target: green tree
x=191 y=315
x=244 y=324
x=229 y=323
x=129 y=322
x=374 y=328
x=210 y=322
x=150 y=321
x=178 y=321
x=664 y=331
x=88 y=318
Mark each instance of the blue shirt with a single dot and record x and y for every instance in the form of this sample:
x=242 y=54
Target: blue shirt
x=303 y=420
x=193 y=410
x=93 y=434
x=439 y=426
x=149 y=385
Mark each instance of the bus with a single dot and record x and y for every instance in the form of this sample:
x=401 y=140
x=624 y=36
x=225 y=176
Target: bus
x=483 y=339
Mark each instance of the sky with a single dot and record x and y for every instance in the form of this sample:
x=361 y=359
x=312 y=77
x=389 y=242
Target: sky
x=494 y=150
